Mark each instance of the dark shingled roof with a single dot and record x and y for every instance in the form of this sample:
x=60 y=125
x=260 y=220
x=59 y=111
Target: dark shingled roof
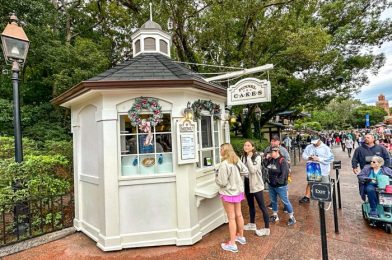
x=148 y=66
x=152 y=70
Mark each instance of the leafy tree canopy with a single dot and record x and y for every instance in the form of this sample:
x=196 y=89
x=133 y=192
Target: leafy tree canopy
x=311 y=43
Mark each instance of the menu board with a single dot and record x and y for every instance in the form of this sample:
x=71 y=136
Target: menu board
x=187 y=146
x=186 y=142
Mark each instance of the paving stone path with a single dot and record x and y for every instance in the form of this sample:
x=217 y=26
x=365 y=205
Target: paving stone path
x=356 y=239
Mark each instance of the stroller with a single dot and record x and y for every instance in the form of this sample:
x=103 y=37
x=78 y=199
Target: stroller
x=384 y=207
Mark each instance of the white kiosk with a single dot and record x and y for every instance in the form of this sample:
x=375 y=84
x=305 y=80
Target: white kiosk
x=144 y=173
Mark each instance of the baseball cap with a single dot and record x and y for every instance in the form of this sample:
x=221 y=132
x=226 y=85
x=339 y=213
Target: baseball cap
x=275 y=138
x=275 y=148
x=314 y=139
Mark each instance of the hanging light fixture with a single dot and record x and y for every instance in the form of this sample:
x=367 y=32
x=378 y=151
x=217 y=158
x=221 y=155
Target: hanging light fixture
x=188 y=112
x=233 y=118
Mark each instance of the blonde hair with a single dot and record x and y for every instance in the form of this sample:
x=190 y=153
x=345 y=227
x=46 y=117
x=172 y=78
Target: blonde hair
x=379 y=159
x=228 y=153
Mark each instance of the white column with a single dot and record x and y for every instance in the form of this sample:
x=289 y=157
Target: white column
x=188 y=231
x=109 y=237
x=76 y=136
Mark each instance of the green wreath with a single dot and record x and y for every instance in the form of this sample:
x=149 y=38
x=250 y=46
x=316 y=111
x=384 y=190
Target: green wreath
x=200 y=105
x=149 y=104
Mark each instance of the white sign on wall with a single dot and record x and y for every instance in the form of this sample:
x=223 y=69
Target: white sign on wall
x=186 y=142
x=249 y=91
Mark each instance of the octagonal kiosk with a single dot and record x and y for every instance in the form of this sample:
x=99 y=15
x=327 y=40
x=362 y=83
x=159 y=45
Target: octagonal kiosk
x=143 y=174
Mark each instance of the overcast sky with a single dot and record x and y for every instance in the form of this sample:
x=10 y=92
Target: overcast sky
x=382 y=82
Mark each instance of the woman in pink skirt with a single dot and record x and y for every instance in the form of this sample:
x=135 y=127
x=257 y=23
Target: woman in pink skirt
x=231 y=190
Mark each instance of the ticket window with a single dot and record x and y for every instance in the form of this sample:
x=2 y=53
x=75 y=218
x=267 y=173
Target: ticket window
x=143 y=155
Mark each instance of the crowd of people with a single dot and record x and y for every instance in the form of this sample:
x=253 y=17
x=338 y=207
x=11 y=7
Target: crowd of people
x=249 y=175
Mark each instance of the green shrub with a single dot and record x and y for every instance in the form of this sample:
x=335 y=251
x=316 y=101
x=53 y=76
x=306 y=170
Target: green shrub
x=33 y=147
x=43 y=131
x=36 y=176
x=7 y=147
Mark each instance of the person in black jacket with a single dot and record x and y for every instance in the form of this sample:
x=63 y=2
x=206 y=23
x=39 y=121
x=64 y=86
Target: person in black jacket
x=278 y=169
x=364 y=153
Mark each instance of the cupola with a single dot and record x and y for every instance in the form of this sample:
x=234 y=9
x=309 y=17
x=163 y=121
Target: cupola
x=150 y=38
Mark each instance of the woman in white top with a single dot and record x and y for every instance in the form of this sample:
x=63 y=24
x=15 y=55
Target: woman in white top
x=254 y=187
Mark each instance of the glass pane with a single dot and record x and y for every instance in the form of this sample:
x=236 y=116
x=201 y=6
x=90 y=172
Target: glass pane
x=15 y=48
x=165 y=125
x=129 y=165
x=147 y=164
x=216 y=125
x=164 y=163
x=163 y=143
x=216 y=138
x=125 y=125
x=207 y=158
x=128 y=144
x=146 y=143
x=206 y=133
x=217 y=155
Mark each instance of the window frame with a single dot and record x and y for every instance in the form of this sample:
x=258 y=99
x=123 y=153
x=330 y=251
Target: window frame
x=214 y=149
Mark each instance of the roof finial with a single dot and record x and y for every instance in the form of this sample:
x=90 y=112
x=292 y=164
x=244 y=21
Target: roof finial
x=150 y=11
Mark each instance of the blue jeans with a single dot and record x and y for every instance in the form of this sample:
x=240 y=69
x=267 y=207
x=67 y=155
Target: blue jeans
x=372 y=195
x=282 y=193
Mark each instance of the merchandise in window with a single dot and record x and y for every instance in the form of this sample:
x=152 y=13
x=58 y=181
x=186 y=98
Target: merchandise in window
x=143 y=154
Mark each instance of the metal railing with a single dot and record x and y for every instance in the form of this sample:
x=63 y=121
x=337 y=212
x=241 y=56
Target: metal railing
x=25 y=219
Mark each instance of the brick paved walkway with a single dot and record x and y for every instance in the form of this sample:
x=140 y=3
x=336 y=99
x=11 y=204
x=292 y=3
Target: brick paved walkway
x=301 y=241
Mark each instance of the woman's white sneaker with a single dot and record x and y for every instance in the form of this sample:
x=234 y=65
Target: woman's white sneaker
x=250 y=226
x=263 y=232
x=241 y=240
x=229 y=247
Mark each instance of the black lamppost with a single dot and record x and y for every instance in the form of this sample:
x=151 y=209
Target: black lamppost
x=15 y=47
x=258 y=117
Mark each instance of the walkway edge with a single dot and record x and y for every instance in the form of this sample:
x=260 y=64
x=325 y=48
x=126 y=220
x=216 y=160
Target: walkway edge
x=37 y=241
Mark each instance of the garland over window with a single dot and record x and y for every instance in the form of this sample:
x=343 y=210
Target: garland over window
x=200 y=105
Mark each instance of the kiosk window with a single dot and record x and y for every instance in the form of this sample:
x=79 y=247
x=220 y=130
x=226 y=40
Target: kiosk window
x=143 y=153
x=208 y=140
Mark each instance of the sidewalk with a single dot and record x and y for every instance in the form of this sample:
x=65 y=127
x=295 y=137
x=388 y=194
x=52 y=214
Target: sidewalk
x=301 y=241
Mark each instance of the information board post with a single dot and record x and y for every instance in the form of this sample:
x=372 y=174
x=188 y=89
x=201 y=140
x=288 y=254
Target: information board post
x=322 y=192
x=335 y=211
x=323 y=231
x=338 y=165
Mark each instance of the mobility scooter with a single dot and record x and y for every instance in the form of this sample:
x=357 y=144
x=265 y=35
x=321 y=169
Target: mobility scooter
x=384 y=207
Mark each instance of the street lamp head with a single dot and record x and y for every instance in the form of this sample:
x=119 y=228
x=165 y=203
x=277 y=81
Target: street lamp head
x=15 y=42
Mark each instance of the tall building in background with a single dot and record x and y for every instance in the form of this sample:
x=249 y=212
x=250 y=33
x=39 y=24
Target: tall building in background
x=383 y=103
